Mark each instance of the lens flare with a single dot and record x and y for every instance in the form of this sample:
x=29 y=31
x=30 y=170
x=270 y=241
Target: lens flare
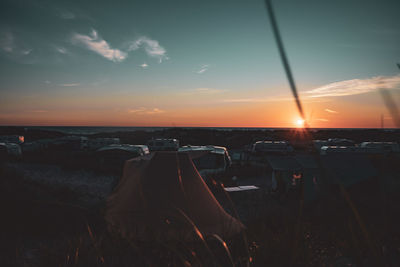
x=300 y=123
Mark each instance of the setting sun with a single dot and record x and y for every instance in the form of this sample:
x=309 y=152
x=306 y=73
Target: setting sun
x=299 y=122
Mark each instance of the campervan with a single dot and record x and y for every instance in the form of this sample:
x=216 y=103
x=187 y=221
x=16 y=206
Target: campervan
x=161 y=144
x=213 y=162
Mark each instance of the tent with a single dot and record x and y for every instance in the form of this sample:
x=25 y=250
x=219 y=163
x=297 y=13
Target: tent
x=161 y=196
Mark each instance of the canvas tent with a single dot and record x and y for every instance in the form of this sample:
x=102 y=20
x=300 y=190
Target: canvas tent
x=162 y=196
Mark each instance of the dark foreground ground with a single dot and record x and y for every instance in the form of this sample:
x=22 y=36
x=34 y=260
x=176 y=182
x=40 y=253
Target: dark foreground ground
x=43 y=224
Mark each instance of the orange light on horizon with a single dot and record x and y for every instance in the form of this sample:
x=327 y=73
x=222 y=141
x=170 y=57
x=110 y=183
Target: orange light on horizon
x=300 y=123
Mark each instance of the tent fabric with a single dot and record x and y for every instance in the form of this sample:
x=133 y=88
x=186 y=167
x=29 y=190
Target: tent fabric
x=162 y=196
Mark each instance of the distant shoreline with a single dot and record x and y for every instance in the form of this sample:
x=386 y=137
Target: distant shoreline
x=110 y=129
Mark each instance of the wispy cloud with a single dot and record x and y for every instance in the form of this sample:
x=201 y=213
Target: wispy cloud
x=69 y=84
x=7 y=42
x=146 y=111
x=331 y=111
x=324 y=120
x=65 y=14
x=26 y=52
x=47 y=82
x=203 y=69
x=244 y=100
x=61 y=50
x=39 y=111
x=151 y=47
x=355 y=86
x=204 y=91
x=155 y=111
x=98 y=45
x=9 y=45
x=144 y=65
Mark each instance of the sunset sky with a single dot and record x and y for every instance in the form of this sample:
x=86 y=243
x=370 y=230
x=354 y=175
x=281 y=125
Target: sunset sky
x=196 y=63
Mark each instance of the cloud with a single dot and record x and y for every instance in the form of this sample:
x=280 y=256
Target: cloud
x=203 y=69
x=69 y=84
x=151 y=47
x=136 y=110
x=155 y=111
x=144 y=65
x=61 y=50
x=9 y=45
x=244 y=100
x=331 y=111
x=99 y=46
x=356 y=86
x=7 y=42
x=65 y=14
x=145 y=111
x=203 y=91
x=47 y=82
x=26 y=52
x=324 y=120
x=39 y=111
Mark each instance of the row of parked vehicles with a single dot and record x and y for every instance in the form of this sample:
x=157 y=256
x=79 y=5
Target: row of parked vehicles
x=270 y=160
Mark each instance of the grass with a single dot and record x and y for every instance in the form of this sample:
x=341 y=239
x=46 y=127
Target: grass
x=358 y=227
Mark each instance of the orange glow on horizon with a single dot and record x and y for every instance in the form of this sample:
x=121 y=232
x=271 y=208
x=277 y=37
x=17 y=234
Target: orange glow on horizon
x=198 y=113
x=300 y=123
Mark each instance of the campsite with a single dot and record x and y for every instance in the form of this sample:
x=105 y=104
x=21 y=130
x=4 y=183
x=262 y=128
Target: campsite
x=158 y=208
x=199 y=133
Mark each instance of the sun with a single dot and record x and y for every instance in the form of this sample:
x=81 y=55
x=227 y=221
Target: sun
x=300 y=123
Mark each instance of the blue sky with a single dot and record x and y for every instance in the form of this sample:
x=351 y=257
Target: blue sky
x=151 y=61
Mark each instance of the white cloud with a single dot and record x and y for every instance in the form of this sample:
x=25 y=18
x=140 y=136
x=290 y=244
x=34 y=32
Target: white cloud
x=203 y=69
x=26 y=52
x=99 y=46
x=144 y=65
x=331 y=111
x=145 y=111
x=69 y=84
x=152 y=48
x=356 y=86
x=155 y=111
x=61 y=50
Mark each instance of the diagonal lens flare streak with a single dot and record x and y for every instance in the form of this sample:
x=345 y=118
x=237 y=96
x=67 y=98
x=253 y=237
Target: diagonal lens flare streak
x=284 y=59
x=391 y=106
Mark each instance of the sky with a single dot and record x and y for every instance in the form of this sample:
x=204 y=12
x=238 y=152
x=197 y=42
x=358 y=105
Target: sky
x=197 y=63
